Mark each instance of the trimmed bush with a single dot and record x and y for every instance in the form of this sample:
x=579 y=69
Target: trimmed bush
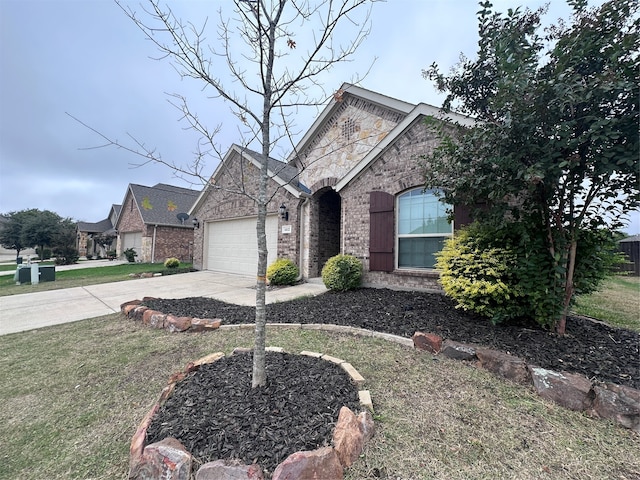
x=342 y=273
x=130 y=254
x=171 y=263
x=282 y=272
x=480 y=278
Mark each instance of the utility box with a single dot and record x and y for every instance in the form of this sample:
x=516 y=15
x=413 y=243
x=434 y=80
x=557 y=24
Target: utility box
x=47 y=273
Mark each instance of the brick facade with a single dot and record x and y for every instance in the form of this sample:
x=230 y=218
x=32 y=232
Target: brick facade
x=333 y=217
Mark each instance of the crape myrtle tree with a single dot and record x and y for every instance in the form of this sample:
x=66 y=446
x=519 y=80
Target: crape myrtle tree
x=274 y=54
x=553 y=156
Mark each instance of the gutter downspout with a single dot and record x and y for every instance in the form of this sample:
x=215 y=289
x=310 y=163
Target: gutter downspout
x=301 y=236
x=153 y=244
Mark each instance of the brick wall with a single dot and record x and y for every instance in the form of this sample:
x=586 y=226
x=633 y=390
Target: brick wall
x=394 y=171
x=222 y=202
x=172 y=242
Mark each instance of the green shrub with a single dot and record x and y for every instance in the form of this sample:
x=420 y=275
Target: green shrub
x=130 y=254
x=282 y=272
x=342 y=273
x=172 y=263
x=480 y=278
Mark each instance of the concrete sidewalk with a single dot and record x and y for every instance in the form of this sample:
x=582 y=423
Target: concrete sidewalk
x=36 y=310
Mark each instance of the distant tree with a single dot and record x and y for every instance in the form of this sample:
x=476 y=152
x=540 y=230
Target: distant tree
x=11 y=231
x=554 y=153
x=64 y=242
x=40 y=230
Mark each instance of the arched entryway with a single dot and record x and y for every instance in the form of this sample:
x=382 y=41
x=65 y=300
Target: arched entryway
x=327 y=228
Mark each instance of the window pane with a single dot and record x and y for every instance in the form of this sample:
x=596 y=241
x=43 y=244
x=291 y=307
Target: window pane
x=419 y=252
x=422 y=213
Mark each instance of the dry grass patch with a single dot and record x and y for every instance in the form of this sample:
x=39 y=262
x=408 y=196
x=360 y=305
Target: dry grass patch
x=74 y=394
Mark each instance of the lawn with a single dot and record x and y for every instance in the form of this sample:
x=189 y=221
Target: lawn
x=85 y=276
x=71 y=402
x=617 y=302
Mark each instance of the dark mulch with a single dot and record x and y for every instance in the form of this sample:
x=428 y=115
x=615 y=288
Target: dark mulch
x=194 y=413
x=216 y=414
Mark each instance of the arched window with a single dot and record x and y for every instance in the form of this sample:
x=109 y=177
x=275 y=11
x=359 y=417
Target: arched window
x=422 y=228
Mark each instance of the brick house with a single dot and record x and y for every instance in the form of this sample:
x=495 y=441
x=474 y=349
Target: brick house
x=89 y=232
x=352 y=185
x=153 y=221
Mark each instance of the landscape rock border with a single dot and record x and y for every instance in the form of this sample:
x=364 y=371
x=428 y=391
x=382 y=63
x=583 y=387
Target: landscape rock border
x=169 y=459
x=618 y=403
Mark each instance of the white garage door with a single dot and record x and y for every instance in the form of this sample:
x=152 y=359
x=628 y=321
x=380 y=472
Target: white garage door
x=132 y=240
x=232 y=245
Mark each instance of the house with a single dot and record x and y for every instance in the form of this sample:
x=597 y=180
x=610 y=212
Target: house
x=153 y=221
x=96 y=239
x=352 y=185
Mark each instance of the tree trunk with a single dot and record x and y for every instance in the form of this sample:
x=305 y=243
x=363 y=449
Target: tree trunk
x=569 y=287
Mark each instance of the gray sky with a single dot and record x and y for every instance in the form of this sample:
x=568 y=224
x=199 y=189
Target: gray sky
x=85 y=57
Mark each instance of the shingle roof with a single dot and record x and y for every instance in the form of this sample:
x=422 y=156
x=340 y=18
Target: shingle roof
x=95 y=227
x=161 y=203
x=286 y=172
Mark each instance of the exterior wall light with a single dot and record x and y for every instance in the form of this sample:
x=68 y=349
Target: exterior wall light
x=284 y=213
x=196 y=223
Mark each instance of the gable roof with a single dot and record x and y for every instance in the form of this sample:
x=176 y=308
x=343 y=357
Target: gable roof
x=282 y=173
x=400 y=107
x=160 y=204
x=419 y=112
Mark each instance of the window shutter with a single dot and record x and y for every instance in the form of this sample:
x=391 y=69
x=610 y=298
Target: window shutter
x=381 y=232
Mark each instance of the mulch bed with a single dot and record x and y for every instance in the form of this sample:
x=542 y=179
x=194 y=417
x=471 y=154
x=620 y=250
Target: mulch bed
x=216 y=414
x=211 y=411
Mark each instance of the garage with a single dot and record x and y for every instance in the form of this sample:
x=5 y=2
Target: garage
x=132 y=240
x=232 y=246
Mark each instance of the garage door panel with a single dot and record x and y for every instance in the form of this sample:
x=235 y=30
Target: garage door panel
x=232 y=246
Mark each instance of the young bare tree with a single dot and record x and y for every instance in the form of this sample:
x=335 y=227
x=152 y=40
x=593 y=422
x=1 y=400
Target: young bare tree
x=275 y=53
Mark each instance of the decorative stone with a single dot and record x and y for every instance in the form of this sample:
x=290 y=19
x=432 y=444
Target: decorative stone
x=157 y=320
x=211 y=358
x=568 y=390
x=365 y=399
x=147 y=314
x=348 y=438
x=353 y=373
x=138 y=312
x=458 y=351
x=137 y=442
x=167 y=459
x=130 y=302
x=619 y=403
x=322 y=463
x=429 y=342
x=127 y=309
x=505 y=365
x=205 y=324
x=241 y=350
x=366 y=425
x=177 y=324
x=229 y=470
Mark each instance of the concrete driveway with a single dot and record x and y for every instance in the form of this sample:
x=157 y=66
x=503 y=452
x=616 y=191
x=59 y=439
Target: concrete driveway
x=36 y=310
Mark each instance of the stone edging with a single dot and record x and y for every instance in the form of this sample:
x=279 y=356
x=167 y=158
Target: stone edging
x=168 y=458
x=618 y=403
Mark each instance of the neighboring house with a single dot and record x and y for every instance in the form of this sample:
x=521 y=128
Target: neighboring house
x=630 y=246
x=352 y=185
x=153 y=221
x=91 y=236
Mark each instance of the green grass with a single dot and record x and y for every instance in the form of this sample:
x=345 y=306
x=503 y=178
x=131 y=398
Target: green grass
x=617 y=303
x=83 y=276
x=72 y=396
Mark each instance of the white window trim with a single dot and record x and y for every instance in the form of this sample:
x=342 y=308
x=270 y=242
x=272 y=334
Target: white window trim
x=398 y=236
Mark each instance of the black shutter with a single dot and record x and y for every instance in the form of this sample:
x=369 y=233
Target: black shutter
x=381 y=238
